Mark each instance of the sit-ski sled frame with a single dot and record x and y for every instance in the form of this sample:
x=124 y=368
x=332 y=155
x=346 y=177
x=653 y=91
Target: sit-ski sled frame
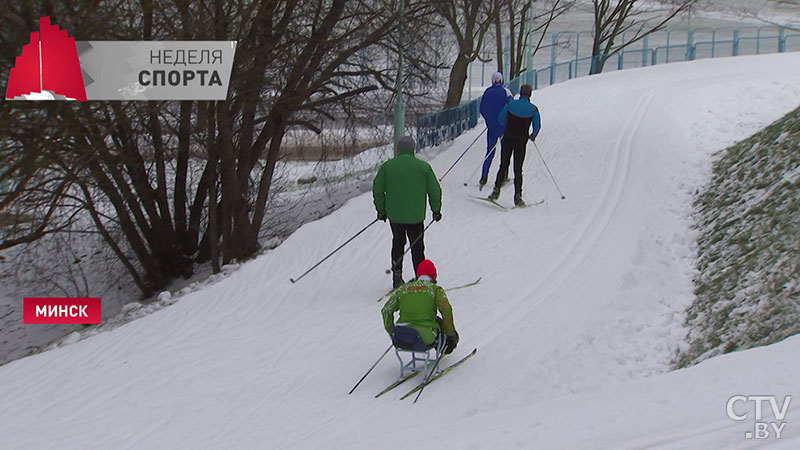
x=421 y=361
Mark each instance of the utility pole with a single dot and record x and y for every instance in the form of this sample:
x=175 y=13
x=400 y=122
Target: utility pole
x=399 y=106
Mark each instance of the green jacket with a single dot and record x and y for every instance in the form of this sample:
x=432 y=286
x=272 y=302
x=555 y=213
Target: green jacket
x=400 y=188
x=418 y=302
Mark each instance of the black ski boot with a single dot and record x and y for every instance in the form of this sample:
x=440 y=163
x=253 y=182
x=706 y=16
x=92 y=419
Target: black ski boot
x=495 y=194
x=397 y=279
x=519 y=202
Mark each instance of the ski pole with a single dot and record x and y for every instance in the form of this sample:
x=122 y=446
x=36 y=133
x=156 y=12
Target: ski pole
x=370 y=369
x=488 y=154
x=446 y=289
x=331 y=253
x=462 y=154
x=548 y=170
x=428 y=377
x=394 y=263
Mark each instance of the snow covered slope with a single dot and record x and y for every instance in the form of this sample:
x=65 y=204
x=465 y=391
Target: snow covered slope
x=576 y=318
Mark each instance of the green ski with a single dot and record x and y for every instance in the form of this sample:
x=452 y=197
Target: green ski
x=397 y=383
x=440 y=374
x=487 y=199
x=537 y=202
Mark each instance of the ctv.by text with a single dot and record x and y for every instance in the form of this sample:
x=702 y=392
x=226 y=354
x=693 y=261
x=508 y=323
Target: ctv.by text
x=762 y=429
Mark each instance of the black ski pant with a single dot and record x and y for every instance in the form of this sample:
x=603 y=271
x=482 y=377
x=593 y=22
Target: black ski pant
x=512 y=146
x=414 y=232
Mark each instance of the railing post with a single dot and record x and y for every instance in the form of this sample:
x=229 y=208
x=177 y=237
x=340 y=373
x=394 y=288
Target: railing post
x=536 y=79
x=621 y=60
x=530 y=60
x=644 y=51
x=653 y=57
x=735 y=42
x=782 y=40
x=713 y=41
x=689 y=45
x=553 y=59
x=667 y=57
x=758 y=41
x=363 y=57
x=483 y=66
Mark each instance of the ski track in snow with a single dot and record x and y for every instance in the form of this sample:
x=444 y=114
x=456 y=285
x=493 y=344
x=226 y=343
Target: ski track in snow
x=576 y=317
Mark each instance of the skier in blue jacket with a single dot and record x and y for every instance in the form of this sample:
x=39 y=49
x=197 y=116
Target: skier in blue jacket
x=516 y=118
x=493 y=101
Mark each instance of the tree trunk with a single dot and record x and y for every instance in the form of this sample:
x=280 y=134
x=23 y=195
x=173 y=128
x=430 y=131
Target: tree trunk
x=498 y=38
x=512 y=69
x=276 y=131
x=181 y=169
x=598 y=62
x=458 y=77
x=213 y=233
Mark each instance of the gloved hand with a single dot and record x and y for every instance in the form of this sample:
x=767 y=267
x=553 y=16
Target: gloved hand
x=437 y=216
x=450 y=344
x=382 y=215
x=532 y=138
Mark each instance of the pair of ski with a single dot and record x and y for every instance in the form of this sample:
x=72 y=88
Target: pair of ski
x=448 y=289
x=505 y=182
x=496 y=203
x=430 y=380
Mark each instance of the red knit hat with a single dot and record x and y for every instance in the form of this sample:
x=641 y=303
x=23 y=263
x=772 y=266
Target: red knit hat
x=426 y=267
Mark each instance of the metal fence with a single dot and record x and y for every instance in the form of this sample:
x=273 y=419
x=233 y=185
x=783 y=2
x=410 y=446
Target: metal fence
x=663 y=48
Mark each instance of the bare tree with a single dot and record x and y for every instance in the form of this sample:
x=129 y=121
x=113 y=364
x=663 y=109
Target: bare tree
x=187 y=182
x=501 y=8
x=522 y=21
x=469 y=21
x=612 y=18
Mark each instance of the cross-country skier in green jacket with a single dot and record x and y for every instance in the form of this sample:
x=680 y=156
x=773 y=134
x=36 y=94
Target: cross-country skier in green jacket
x=399 y=191
x=418 y=302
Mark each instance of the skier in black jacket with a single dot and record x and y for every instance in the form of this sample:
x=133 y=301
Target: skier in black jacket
x=517 y=118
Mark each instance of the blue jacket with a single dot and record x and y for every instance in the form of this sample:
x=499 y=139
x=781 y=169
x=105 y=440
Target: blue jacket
x=517 y=118
x=494 y=99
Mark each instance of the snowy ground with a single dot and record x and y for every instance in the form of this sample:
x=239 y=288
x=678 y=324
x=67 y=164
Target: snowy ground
x=295 y=204
x=576 y=319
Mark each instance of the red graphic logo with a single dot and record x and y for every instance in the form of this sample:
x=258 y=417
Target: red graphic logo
x=48 y=66
x=61 y=310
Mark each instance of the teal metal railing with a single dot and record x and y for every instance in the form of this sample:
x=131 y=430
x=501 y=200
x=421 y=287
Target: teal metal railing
x=445 y=125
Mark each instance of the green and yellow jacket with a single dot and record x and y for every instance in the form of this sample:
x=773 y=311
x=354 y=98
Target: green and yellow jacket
x=418 y=302
x=400 y=188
